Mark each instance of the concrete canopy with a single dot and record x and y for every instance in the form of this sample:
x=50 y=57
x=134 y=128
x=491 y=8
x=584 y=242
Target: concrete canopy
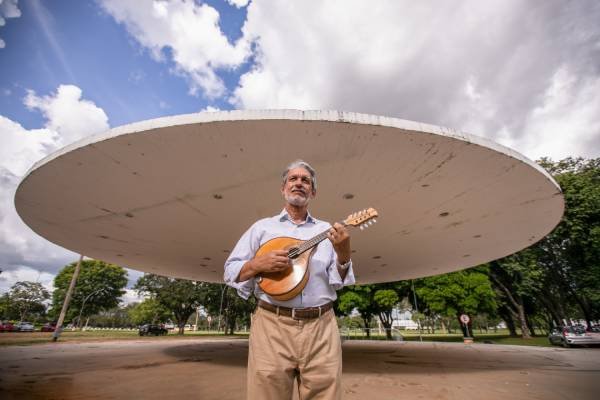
x=173 y=195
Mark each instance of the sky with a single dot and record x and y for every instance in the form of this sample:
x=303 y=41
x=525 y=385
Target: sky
x=524 y=73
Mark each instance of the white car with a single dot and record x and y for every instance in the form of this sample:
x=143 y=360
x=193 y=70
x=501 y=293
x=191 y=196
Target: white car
x=568 y=336
x=24 y=326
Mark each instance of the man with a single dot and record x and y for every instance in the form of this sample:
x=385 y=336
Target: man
x=297 y=338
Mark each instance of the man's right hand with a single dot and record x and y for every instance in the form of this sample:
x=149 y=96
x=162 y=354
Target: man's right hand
x=273 y=261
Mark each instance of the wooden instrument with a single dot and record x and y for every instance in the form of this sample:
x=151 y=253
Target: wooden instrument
x=287 y=284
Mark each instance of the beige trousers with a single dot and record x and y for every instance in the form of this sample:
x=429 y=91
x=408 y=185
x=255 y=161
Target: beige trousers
x=283 y=349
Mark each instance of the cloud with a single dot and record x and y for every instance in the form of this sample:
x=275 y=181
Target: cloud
x=68 y=118
x=67 y=114
x=489 y=68
x=22 y=273
x=185 y=33
x=238 y=3
x=8 y=9
x=210 y=109
x=131 y=296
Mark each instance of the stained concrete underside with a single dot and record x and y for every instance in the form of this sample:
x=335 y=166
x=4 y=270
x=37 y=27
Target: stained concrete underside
x=172 y=196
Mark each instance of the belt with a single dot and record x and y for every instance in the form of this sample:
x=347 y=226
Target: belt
x=296 y=313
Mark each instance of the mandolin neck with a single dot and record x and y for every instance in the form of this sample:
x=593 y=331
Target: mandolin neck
x=310 y=243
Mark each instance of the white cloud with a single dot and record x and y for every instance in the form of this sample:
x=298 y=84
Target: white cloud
x=22 y=273
x=131 y=296
x=482 y=67
x=190 y=32
x=67 y=114
x=238 y=3
x=68 y=118
x=210 y=109
x=8 y=9
x=567 y=122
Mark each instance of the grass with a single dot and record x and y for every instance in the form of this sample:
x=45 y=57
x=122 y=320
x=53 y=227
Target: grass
x=500 y=337
x=25 y=339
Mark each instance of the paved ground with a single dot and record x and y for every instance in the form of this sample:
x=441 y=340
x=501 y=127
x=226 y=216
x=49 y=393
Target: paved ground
x=215 y=369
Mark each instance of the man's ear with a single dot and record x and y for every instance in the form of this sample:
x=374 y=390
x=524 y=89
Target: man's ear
x=313 y=193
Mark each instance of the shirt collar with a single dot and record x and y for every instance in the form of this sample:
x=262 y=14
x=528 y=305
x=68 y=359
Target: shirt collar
x=283 y=215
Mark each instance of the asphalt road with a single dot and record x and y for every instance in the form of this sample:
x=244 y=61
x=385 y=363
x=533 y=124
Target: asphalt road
x=215 y=369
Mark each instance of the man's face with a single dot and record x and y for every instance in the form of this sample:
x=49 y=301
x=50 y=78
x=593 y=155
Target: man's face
x=297 y=189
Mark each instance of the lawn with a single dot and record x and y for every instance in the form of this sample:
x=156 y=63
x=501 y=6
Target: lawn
x=24 y=338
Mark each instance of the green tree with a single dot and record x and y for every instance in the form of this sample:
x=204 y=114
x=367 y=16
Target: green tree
x=28 y=298
x=149 y=311
x=516 y=279
x=224 y=301
x=358 y=297
x=463 y=292
x=180 y=296
x=99 y=287
x=370 y=300
x=570 y=254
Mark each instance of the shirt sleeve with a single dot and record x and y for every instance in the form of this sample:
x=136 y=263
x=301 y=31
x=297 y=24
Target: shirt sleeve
x=243 y=252
x=335 y=280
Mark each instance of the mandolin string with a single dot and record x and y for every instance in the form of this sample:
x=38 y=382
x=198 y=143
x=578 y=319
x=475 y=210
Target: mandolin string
x=310 y=243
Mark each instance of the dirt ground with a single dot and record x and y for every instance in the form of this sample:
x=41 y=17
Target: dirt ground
x=215 y=369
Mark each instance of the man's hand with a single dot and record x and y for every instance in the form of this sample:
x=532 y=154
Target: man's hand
x=273 y=261
x=340 y=238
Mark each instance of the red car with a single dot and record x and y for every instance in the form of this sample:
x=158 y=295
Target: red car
x=49 y=327
x=6 y=326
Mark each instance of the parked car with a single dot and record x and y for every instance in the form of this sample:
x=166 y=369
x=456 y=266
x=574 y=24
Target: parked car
x=24 y=326
x=6 y=326
x=49 y=327
x=152 y=329
x=577 y=335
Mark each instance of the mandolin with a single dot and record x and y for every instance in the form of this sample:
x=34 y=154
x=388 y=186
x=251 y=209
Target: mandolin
x=287 y=284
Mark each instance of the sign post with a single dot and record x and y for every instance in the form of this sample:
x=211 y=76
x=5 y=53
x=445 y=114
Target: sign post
x=464 y=318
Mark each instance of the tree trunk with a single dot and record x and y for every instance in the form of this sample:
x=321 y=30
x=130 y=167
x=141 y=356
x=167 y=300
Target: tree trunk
x=517 y=309
x=367 y=330
x=386 y=321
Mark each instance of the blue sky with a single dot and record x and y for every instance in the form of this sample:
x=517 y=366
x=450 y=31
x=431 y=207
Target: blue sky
x=527 y=77
x=78 y=43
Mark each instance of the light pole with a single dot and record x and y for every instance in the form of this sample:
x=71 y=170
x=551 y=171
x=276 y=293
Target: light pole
x=83 y=304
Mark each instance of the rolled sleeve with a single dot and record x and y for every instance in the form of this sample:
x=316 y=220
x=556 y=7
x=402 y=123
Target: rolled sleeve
x=243 y=252
x=335 y=280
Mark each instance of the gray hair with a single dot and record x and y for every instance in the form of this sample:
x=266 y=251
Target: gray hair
x=306 y=166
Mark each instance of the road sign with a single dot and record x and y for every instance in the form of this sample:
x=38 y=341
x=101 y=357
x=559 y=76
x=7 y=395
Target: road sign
x=464 y=318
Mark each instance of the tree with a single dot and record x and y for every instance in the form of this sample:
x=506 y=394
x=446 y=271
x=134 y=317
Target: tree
x=99 y=287
x=385 y=300
x=357 y=297
x=28 y=298
x=224 y=301
x=571 y=253
x=463 y=292
x=370 y=300
x=517 y=278
x=181 y=297
x=149 y=311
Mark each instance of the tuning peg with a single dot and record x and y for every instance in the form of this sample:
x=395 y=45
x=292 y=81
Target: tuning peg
x=375 y=221
x=361 y=227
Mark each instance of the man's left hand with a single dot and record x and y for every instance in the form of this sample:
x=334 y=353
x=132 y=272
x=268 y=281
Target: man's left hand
x=340 y=238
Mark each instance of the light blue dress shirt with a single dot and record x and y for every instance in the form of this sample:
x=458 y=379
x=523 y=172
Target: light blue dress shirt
x=324 y=277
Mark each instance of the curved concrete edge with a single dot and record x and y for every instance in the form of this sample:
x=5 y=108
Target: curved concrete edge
x=294 y=115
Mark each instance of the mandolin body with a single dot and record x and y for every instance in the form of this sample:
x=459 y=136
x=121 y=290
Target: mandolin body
x=287 y=284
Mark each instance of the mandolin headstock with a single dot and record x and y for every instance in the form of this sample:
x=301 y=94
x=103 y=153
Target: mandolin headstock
x=362 y=219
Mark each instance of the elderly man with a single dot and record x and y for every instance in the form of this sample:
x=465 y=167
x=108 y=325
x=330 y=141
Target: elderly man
x=297 y=338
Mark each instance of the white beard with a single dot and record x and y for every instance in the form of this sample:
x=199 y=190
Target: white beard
x=296 y=200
